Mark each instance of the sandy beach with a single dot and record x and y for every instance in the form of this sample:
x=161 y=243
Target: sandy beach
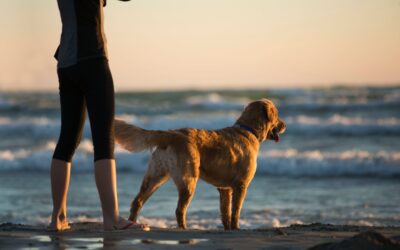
x=91 y=236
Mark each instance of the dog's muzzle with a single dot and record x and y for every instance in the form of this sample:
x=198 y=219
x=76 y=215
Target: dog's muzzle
x=275 y=133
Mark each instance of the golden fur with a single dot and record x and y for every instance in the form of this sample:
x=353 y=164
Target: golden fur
x=225 y=158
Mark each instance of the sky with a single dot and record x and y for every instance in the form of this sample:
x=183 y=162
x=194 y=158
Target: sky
x=188 y=44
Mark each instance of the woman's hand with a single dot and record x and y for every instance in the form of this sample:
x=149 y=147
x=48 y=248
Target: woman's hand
x=105 y=2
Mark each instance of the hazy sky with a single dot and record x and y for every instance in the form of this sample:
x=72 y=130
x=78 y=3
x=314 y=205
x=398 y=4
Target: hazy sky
x=172 y=44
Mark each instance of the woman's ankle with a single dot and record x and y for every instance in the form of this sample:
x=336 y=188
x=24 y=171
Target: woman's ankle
x=58 y=218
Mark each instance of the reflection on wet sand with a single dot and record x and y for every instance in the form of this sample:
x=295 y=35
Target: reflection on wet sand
x=169 y=242
x=62 y=243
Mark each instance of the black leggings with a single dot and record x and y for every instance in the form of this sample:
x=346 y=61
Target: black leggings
x=88 y=84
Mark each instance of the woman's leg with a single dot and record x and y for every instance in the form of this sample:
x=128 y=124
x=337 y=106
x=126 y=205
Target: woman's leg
x=60 y=175
x=99 y=93
x=72 y=121
x=106 y=182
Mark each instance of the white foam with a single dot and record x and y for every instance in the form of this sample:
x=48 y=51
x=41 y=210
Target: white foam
x=216 y=101
x=204 y=221
x=289 y=162
x=292 y=162
x=43 y=127
x=9 y=155
x=337 y=119
x=213 y=221
x=277 y=223
x=27 y=121
x=130 y=118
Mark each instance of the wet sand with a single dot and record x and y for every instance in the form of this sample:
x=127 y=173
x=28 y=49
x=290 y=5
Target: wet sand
x=91 y=236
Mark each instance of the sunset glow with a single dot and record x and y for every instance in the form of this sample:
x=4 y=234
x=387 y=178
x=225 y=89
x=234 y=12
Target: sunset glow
x=176 y=44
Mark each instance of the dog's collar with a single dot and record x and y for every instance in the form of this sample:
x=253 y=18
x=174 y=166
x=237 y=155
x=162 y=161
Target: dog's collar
x=247 y=128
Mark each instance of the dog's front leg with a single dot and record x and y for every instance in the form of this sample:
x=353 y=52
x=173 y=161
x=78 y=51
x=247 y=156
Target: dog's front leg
x=225 y=201
x=151 y=182
x=136 y=206
x=239 y=192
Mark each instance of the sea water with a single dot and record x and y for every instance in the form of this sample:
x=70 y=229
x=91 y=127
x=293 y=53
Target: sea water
x=338 y=162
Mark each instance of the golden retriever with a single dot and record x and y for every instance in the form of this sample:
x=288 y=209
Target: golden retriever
x=225 y=158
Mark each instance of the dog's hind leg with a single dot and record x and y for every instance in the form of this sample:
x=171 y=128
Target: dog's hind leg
x=186 y=187
x=225 y=201
x=152 y=180
x=239 y=192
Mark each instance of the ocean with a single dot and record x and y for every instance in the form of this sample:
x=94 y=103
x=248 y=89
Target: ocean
x=338 y=162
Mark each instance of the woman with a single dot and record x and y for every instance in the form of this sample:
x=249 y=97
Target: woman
x=85 y=82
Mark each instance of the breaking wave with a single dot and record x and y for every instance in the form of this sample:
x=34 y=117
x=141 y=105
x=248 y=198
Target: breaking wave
x=289 y=162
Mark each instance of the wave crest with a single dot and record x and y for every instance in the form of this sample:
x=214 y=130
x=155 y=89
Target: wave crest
x=289 y=162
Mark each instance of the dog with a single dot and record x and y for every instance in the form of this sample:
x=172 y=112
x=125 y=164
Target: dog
x=225 y=158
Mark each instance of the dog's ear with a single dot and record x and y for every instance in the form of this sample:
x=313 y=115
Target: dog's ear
x=253 y=115
x=270 y=110
x=271 y=113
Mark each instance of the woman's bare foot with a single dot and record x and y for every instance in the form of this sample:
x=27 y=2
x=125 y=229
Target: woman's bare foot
x=58 y=226
x=123 y=224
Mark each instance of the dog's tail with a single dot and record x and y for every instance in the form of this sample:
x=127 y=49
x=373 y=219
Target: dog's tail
x=135 y=139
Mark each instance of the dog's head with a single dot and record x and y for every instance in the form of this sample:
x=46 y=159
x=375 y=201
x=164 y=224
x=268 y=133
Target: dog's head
x=262 y=117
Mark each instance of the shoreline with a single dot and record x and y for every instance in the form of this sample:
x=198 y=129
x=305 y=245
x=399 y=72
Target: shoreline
x=89 y=235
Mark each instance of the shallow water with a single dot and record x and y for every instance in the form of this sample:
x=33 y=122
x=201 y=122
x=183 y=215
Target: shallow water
x=270 y=201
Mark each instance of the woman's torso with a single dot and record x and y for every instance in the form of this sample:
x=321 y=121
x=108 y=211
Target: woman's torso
x=82 y=31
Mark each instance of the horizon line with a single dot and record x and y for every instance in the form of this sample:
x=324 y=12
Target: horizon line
x=233 y=88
